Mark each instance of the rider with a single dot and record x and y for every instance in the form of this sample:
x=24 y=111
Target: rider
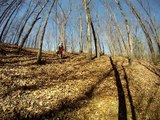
x=60 y=50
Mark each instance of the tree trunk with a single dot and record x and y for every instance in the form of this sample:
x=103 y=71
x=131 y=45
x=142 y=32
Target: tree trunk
x=39 y=55
x=152 y=25
x=130 y=55
x=16 y=33
x=9 y=17
x=149 y=40
x=9 y=26
x=100 y=51
x=121 y=35
x=116 y=24
x=88 y=20
x=72 y=42
x=7 y=11
x=120 y=46
x=36 y=37
x=115 y=38
x=81 y=29
x=31 y=27
x=112 y=40
x=63 y=35
x=95 y=41
x=109 y=45
x=25 y=22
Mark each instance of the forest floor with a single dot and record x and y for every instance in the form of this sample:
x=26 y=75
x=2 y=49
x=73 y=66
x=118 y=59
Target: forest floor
x=74 y=88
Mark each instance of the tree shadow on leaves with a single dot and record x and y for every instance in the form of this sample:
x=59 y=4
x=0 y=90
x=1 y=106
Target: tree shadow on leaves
x=152 y=69
x=129 y=95
x=67 y=105
x=21 y=88
x=17 y=62
x=122 y=110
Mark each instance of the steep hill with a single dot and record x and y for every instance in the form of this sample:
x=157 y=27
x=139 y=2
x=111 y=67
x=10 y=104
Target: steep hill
x=74 y=88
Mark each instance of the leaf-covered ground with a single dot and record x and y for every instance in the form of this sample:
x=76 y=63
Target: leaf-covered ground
x=74 y=88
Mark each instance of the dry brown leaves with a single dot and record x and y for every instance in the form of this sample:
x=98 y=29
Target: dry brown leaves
x=72 y=88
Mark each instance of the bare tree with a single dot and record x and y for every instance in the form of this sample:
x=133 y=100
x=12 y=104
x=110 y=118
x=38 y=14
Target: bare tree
x=4 y=2
x=151 y=24
x=63 y=18
x=99 y=43
x=39 y=55
x=130 y=57
x=7 y=11
x=31 y=27
x=149 y=40
x=36 y=36
x=72 y=41
x=3 y=37
x=90 y=27
x=48 y=40
x=7 y=21
x=96 y=42
x=80 y=33
x=28 y=15
x=110 y=40
x=88 y=20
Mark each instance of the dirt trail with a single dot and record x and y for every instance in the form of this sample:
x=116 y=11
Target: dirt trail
x=75 y=88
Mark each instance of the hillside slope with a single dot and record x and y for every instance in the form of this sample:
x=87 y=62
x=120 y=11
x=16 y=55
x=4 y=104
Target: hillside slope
x=74 y=88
